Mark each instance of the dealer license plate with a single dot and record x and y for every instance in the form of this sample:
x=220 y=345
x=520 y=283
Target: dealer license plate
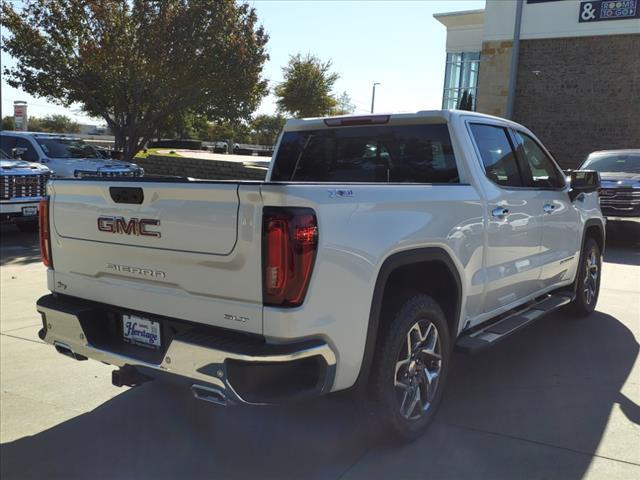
x=29 y=211
x=141 y=331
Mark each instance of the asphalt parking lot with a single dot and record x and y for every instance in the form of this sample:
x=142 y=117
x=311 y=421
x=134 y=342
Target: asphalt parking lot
x=560 y=400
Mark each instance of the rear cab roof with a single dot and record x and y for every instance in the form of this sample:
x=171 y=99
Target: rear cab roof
x=422 y=116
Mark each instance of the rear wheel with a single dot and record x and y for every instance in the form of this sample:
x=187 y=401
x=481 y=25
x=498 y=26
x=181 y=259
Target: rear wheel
x=411 y=366
x=588 y=280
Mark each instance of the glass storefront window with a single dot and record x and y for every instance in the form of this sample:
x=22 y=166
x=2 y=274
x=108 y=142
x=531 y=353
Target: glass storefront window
x=461 y=80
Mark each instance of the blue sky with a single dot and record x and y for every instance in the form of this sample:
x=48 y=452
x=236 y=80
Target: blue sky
x=396 y=43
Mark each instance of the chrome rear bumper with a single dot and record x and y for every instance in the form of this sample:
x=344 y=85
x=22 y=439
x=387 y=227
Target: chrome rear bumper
x=194 y=359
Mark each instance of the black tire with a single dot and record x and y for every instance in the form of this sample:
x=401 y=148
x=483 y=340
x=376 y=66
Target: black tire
x=585 y=301
x=27 y=226
x=391 y=346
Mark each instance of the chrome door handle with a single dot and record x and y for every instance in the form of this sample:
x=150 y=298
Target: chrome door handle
x=548 y=208
x=500 y=212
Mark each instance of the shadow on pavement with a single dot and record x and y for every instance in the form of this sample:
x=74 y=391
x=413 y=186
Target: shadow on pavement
x=553 y=385
x=18 y=248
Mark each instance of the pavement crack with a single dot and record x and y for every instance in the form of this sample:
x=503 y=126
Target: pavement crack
x=544 y=444
x=22 y=338
x=21 y=328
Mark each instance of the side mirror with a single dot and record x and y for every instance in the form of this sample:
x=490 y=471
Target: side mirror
x=583 y=181
x=18 y=152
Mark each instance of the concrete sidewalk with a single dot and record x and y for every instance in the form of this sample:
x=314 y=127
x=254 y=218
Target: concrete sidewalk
x=559 y=400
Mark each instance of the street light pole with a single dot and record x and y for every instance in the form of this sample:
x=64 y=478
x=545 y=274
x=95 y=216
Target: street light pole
x=515 y=53
x=373 y=96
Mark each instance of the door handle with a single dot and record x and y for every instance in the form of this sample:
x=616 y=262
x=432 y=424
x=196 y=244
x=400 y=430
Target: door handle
x=548 y=208
x=500 y=212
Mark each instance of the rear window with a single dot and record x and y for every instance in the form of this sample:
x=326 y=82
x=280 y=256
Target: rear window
x=384 y=154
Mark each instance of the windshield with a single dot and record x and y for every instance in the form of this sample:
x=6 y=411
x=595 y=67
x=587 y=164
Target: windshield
x=617 y=162
x=67 y=148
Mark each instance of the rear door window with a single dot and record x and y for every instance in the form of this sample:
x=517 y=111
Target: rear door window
x=497 y=154
x=384 y=154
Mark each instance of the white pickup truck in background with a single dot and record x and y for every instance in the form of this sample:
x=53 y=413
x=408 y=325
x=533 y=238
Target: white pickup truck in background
x=375 y=246
x=22 y=186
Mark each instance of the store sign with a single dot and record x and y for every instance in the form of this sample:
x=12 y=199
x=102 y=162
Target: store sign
x=598 y=10
x=20 y=116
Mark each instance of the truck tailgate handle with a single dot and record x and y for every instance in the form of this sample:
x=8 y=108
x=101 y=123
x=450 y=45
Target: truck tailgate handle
x=132 y=195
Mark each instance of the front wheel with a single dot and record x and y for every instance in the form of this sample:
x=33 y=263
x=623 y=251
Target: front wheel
x=411 y=366
x=588 y=280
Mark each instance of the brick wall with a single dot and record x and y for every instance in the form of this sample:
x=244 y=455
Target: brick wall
x=580 y=94
x=198 y=168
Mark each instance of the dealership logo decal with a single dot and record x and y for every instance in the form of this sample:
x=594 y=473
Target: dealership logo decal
x=133 y=226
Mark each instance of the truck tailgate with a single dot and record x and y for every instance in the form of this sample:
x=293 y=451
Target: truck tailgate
x=189 y=250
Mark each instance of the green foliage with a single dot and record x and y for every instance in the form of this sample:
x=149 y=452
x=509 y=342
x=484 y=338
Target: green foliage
x=306 y=88
x=137 y=64
x=55 y=124
x=266 y=128
x=343 y=105
x=184 y=125
x=50 y=124
x=238 y=132
x=8 y=123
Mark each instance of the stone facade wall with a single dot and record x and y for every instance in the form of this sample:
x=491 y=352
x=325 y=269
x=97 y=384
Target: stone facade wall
x=493 y=78
x=198 y=168
x=580 y=94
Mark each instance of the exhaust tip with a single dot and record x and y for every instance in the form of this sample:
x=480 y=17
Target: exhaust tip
x=209 y=394
x=66 y=351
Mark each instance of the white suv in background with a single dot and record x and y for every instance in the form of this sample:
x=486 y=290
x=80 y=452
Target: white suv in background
x=66 y=156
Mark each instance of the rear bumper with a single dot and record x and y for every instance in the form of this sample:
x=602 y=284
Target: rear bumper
x=225 y=367
x=12 y=211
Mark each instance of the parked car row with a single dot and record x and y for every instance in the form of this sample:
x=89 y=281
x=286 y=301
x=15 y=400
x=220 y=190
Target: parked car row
x=29 y=159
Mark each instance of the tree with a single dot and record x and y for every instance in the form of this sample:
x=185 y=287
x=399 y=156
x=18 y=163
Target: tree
x=343 y=105
x=137 y=63
x=266 y=128
x=56 y=124
x=8 y=123
x=306 y=88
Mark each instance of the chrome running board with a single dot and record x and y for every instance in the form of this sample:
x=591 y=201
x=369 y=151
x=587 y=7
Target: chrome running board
x=500 y=329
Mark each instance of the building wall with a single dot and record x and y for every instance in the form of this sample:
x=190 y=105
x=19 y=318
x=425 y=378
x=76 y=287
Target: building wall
x=493 y=78
x=580 y=94
x=548 y=20
x=464 y=39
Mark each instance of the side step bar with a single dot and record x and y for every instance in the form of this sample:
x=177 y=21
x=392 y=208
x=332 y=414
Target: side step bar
x=491 y=334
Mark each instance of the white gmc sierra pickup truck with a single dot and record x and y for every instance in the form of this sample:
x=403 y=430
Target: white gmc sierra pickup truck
x=375 y=246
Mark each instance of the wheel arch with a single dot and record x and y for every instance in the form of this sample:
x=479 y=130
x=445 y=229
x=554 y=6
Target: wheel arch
x=393 y=263
x=593 y=228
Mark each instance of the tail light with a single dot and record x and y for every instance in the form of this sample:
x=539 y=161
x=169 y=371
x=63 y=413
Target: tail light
x=45 y=233
x=289 y=244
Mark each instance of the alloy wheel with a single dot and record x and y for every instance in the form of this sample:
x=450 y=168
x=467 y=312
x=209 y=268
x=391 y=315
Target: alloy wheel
x=590 y=283
x=418 y=370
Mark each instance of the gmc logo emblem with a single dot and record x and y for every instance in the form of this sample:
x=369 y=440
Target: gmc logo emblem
x=135 y=226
